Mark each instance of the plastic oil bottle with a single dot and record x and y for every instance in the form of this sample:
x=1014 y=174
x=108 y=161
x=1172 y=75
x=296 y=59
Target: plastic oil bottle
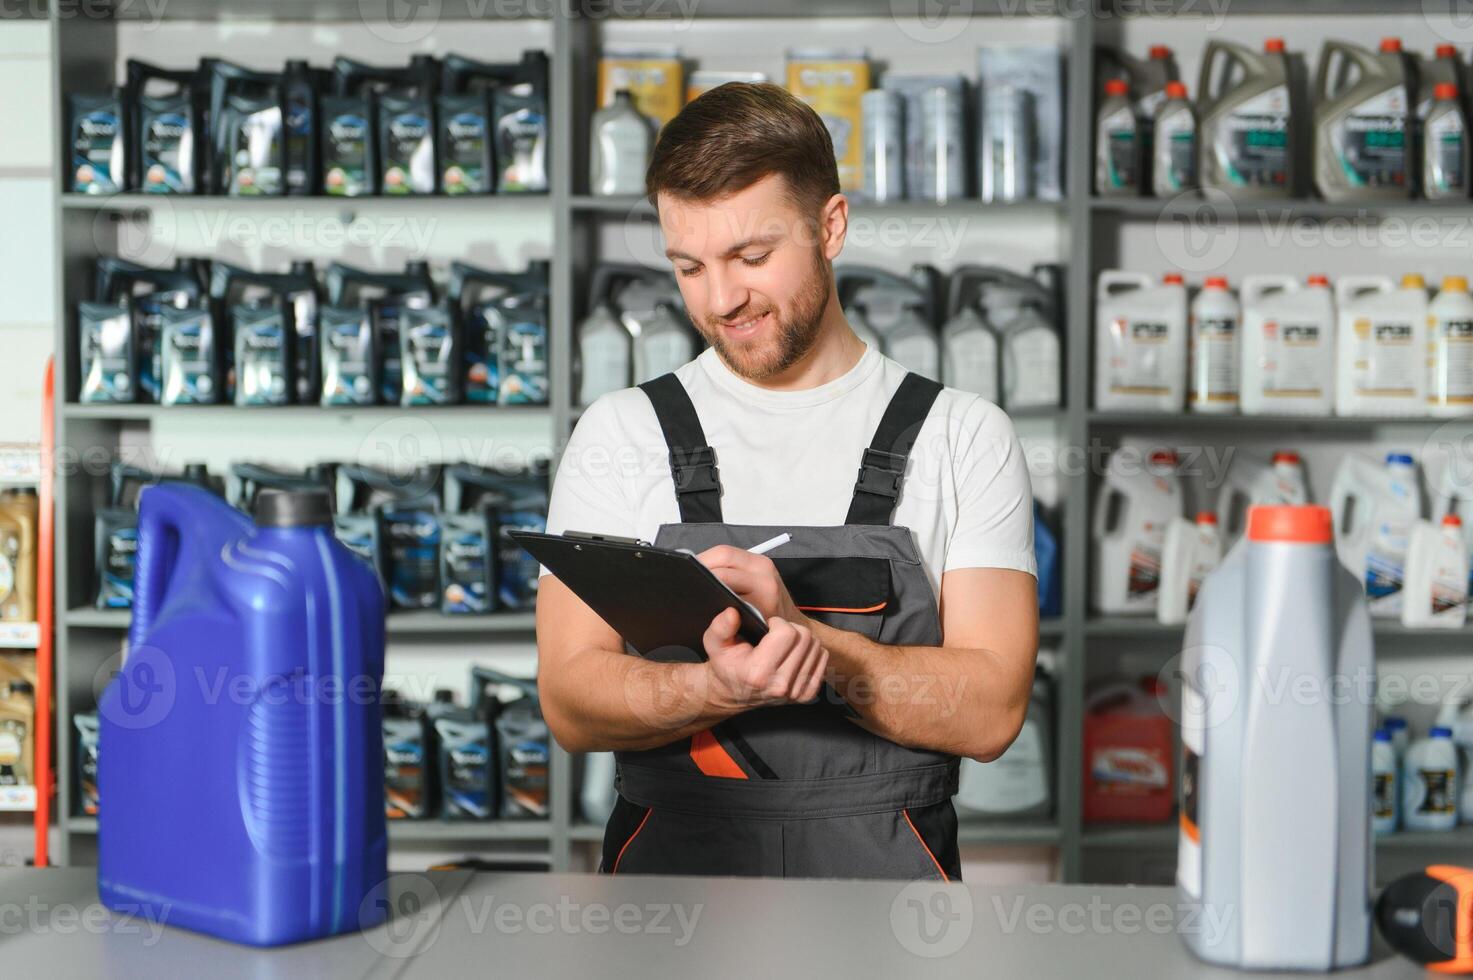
x=1385 y=784
x=623 y=140
x=1117 y=143
x=1245 y=120
x=1192 y=550
x=1450 y=350
x=1214 y=356
x=1174 y=144
x=1275 y=799
x=1032 y=365
x=1381 y=346
x=1444 y=156
x=1375 y=508
x=1252 y=483
x=1429 y=782
x=1138 y=500
x=1436 y=591
x=969 y=346
x=1140 y=342
x=1288 y=344
x=1455 y=496
x=1362 y=122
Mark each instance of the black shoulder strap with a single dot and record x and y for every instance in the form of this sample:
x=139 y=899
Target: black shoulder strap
x=692 y=462
x=882 y=469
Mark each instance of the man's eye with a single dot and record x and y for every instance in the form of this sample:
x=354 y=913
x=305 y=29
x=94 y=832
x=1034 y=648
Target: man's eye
x=756 y=260
x=693 y=270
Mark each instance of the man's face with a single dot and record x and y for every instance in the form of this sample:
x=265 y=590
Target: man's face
x=754 y=273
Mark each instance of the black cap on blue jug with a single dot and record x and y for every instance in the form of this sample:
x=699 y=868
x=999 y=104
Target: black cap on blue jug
x=292 y=508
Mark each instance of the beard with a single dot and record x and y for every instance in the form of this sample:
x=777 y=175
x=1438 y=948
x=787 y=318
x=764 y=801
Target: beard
x=791 y=335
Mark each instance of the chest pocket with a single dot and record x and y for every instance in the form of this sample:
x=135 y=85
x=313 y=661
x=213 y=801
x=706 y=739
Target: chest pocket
x=847 y=593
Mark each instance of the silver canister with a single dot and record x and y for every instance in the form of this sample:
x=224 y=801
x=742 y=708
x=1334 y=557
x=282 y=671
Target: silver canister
x=882 y=115
x=1005 y=163
x=943 y=176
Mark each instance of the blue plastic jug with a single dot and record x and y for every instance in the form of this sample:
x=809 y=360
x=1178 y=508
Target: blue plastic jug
x=241 y=750
x=1046 y=555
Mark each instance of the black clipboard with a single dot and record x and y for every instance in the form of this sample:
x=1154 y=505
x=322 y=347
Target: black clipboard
x=658 y=600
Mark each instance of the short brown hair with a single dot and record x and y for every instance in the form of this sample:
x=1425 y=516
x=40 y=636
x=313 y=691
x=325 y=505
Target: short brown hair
x=732 y=136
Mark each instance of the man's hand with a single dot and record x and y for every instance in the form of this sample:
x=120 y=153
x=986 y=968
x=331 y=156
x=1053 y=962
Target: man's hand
x=755 y=579
x=787 y=667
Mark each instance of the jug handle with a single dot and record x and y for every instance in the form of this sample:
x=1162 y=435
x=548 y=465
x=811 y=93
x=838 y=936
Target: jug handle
x=159 y=535
x=1333 y=55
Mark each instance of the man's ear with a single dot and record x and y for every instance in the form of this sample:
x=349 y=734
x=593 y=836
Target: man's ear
x=833 y=225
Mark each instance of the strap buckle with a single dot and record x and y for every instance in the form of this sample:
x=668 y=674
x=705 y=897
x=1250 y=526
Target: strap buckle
x=881 y=474
x=695 y=470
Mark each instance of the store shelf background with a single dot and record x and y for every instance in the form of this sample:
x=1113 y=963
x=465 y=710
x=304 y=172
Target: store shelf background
x=500 y=232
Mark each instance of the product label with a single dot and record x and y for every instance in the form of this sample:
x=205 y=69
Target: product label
x=254 y=165
x=347 y=369
x=1145 y=568
x=7 y=577
x=1294 y=360
x=97 y=153
x=1370 y=143
x=466 y=141
x=404 y=770
x=1139 y=357
x=188 y=376
x=168 y=151
x=107 y=355
x=834 y=90
x=408 y=155
x=1120 y=151
x=428 y=362
x=1214 y=360
x=1177 y=140
x=1450 y=366
x=1252 y=147
x=1031 y=369
x=1446 y=155
x=521 y=151
x=465 y=559
x=1439 y=796
x=523 y=361
x=260 y=362
x=971 y=362
x=1386 y=565
x=1386 y=361
x=414 y=558
x=345 y=171
x=1383 y=796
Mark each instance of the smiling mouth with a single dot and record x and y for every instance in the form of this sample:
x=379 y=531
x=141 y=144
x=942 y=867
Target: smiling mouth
x=744 y=328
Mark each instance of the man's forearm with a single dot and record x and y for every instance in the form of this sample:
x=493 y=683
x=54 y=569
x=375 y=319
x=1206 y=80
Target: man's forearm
x=946 y=699
x=604 y=701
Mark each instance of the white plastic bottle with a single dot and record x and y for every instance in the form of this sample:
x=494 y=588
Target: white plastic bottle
x=1117 y=143
x=1288 y=344
x=1385 y=773
x=1138 y=500
x=623 y=139
x=1375 y=508
x=1192 y=550
x=1276 y=807
x=1450 y=350
x=1381 y=345
x=1253 y=483
x=1436 y=591
x=969 y=354
x=1214 y=355
x=1455 y=496
x=1140 y=342
x=1429 y=776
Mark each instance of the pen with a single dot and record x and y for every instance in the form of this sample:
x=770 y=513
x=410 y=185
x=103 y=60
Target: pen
x=771 y=543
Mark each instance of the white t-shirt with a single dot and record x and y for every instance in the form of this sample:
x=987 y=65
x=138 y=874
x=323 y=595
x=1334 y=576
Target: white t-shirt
x=792 y=458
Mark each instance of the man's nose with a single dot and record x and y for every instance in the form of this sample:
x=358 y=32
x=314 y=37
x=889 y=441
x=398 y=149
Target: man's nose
x=727 y=294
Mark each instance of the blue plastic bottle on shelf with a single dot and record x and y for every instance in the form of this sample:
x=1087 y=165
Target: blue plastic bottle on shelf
x=241 y=747
x=1046 y=554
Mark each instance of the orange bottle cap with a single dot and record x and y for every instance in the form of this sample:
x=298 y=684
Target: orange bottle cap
x=1308 y=524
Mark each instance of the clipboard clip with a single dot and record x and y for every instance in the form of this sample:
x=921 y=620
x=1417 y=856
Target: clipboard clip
x=606 y=538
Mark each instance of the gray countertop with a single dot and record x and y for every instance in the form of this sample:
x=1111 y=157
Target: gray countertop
x=454 y=924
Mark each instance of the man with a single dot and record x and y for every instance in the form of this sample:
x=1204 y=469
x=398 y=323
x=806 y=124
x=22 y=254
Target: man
x=829 y=749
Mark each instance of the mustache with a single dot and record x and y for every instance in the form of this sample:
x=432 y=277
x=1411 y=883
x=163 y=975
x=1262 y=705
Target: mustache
x=741 y=317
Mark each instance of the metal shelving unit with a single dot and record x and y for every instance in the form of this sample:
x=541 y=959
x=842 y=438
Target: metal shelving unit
x=87 y=54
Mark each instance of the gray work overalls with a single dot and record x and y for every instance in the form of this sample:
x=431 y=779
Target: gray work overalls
x=798 y=791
